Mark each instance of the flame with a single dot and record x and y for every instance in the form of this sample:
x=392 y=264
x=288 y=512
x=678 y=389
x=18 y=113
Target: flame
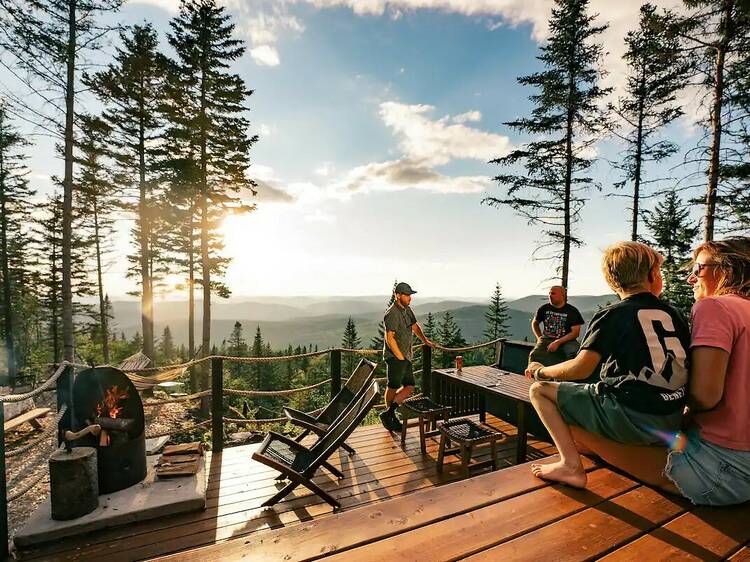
x=109 y=405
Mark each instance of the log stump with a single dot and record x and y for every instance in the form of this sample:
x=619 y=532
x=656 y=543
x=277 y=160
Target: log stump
x=74 y=484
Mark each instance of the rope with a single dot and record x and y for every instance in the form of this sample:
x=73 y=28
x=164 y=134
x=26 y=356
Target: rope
x=38 y=390
x=269 y=420
x=469 y=347
x=47 y=433
x=182 y=429
x=28 y=487
x=251 y=393
x=188 y=398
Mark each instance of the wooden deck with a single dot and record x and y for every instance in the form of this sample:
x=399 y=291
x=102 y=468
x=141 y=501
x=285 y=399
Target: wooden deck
x=382 y=469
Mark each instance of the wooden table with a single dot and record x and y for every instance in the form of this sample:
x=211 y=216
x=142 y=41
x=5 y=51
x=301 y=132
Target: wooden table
x=490 y=382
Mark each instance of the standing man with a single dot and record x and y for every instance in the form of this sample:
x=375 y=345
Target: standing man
x=557 y=342
x=400 y=323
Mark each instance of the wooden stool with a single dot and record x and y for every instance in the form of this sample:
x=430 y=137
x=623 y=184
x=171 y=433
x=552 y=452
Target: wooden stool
x=467 y=434
x=427 y=414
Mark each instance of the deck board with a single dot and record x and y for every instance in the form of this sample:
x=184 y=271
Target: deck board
x=381 y=469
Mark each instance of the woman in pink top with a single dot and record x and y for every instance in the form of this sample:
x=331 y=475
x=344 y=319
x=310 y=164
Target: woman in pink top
x=710 y=463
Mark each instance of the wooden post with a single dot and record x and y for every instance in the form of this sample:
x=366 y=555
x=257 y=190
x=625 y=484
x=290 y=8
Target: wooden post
x=427 y=371
x=217 y=405
x=3 y=491
x=65 y=397
x=335 y=372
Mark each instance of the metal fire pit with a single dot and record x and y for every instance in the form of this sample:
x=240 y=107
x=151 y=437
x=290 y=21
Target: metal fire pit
x=122 y=461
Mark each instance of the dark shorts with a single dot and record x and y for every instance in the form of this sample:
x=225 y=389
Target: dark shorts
x=400 y=373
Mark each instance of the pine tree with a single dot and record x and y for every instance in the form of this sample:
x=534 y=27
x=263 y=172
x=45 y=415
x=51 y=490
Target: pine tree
x=350 y=340
x=717 y=33
x=673 y=233
x=166 y=345
x=15 y=207
x=237 y=347
x=100 y=202
x=47 y=39
x=449 y=335
x=430 y=326
x=565 y=122
x=257 y=351
x=497 y=316
x=132 y=90
x=657 y=70
x=212 y=120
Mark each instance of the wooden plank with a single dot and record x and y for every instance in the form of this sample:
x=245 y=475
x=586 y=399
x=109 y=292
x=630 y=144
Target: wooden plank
x=220 y=523
x=705 y=533
x=233 y=511
x=382 y=519
x=592 y=532
x=483 y=528
x=742 y=555
x=29 y=416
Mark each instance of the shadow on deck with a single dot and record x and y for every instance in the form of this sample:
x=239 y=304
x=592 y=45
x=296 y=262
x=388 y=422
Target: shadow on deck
x=237 y=486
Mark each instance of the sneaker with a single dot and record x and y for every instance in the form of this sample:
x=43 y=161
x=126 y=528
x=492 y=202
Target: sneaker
x=387 y=421
x=398 y=426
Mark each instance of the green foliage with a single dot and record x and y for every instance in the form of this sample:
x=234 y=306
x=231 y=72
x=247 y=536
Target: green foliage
x=497 y=316
x=673 y=233
x=448 y=335
x=350 y=340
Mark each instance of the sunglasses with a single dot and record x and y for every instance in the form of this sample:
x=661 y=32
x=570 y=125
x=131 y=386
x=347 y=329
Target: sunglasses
x=698 y=267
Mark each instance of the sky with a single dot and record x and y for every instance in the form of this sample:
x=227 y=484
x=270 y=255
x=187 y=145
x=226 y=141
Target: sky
x=377 y=120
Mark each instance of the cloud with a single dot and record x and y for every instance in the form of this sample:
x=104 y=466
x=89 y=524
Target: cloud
x=269 y=186
x=265 y=55
x=437 y=142
x=399 y=175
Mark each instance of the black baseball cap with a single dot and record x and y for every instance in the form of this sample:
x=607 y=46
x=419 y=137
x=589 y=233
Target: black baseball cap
x=404 y=289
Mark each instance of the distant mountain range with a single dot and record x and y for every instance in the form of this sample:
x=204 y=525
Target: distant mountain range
x=321 y=320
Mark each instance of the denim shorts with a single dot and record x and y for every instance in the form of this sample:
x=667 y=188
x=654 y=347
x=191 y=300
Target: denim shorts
x=708 y=474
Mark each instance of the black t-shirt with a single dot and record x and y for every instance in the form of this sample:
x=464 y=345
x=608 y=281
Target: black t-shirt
x=558 y=321
x=643 y=342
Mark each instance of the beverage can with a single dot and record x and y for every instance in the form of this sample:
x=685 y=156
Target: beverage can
x=459 y=362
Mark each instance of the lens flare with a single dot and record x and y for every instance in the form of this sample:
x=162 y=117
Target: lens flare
x=674 y=440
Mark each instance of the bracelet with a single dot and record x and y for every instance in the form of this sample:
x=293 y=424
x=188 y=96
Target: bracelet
x=538 y=373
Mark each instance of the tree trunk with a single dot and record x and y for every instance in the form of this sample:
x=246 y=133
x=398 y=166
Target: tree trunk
x=716 y=107
x=638 y=159
x=568 y=181
x=7 y=304
x=191 y=302
x=147 y=299
x=205 y=250
x=103 y=324
x=67 y=218
x=54 y=298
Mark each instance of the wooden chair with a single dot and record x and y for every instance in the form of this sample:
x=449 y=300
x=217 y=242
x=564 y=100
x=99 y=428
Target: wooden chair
x=468 y=434
x=357 y=382
x=299 y=464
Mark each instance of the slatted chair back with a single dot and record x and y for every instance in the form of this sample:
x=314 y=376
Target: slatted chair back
x=360 y=377
x=343 y=427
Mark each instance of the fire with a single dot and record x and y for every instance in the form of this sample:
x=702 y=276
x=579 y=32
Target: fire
x=109 y=405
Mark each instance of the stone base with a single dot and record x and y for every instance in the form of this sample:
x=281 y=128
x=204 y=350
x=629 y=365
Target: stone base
x=149 y=499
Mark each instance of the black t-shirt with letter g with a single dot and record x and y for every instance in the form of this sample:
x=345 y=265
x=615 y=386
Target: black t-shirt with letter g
x=557 y=321
x=643 y=342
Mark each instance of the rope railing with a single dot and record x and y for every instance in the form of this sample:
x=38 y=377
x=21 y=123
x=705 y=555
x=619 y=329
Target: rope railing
x=289 y=392
x=181 y=429
x=187 y=398
x=27 y=487
x=268 y=420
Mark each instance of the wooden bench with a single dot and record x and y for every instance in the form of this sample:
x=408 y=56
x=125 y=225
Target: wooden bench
x=508 y=515
x=31 y=417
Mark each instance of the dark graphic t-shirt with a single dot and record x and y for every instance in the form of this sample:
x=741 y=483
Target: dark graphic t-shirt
x=558 y=321
x=643 y=342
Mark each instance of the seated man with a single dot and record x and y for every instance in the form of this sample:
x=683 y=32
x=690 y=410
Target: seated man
x=638 y=345
x=557 y=342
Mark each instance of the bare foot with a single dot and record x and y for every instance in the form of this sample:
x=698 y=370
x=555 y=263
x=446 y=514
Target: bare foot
x=559 y=472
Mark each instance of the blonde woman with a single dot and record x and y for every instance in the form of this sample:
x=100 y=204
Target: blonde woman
x=638 y=347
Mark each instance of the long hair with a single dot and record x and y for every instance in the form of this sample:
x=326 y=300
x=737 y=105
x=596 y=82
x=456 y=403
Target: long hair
x=733 y=258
